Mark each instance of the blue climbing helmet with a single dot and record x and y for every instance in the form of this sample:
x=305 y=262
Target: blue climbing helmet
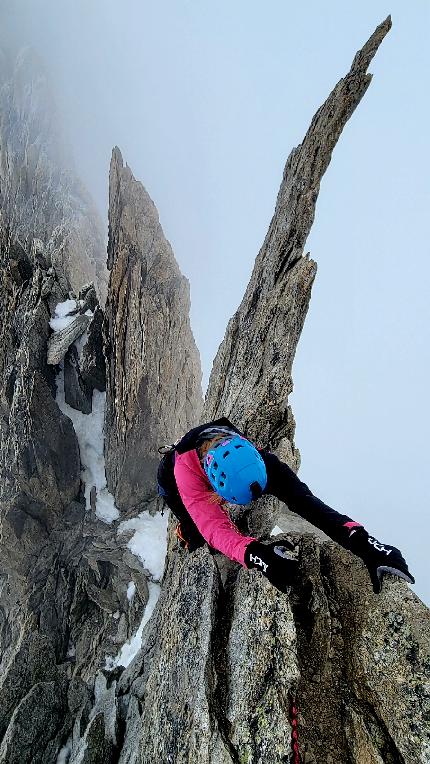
x=236 y=470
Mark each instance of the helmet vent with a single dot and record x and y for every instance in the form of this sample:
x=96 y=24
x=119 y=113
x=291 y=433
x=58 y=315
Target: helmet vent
x=237 y=476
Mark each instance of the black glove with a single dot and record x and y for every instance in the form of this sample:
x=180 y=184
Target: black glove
x=378 y=558
x=273 y=561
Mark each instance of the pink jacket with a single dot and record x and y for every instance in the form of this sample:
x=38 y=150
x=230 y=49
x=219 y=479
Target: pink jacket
x=211 y=519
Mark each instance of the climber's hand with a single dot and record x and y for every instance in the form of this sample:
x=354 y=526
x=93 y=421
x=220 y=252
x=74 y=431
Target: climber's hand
x=379 y=558
x=275 y=562
x=389 y=561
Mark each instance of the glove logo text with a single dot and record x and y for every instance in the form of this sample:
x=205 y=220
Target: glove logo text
x=378 y=546
x=258 y=561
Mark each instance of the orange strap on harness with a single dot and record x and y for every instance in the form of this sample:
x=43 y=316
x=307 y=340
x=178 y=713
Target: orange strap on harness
x=178 y=532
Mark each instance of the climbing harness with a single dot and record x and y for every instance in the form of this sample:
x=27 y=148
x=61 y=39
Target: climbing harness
x=189 y=537
x=181 y=540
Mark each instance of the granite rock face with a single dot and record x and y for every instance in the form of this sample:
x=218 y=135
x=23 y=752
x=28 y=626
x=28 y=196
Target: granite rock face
x=77 y=393
x=60 y=342
x=251 y=375
x=153 y=366
x=224 y=657
x=363 y=693
x=63 y=573
x=93 y=366
x=71 y=590
x=41 y=198
x=201 y=677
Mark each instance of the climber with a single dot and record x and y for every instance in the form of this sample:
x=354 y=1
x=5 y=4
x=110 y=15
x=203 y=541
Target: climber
x=213 y=464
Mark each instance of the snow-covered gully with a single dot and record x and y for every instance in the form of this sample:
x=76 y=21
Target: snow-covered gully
x=149 y=540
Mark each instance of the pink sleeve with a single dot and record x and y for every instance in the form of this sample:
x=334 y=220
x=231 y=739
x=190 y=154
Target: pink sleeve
x=212 y=521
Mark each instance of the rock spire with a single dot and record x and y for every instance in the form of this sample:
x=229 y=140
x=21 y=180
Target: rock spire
x=153 y=365
x=218 y=686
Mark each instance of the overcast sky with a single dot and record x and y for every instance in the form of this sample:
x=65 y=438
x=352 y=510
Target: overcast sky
x=206 y=101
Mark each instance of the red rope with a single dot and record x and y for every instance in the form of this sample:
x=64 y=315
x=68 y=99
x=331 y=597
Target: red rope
x=294 y=734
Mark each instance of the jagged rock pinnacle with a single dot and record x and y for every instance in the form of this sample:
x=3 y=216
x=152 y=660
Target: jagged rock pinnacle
x=153 y=366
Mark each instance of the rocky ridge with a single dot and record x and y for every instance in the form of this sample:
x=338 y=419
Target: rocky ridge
x=42 y=201
x=72 y=590
x=223 y=657
x=153 y=388
x=219 y=686
x=63 y=574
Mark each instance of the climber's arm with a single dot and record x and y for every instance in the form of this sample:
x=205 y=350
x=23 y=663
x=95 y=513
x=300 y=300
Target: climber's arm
x=212 y=521
x=379 y=558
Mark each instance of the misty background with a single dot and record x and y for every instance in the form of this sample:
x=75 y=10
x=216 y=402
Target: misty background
x=205 y=101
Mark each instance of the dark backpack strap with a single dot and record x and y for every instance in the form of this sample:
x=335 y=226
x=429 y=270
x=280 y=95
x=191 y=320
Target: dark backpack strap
x=167 y=488
x=190 y=439
x=165 y=475
x=188 y=533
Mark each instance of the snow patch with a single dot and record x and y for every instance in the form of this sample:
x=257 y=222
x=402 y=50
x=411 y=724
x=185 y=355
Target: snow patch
x=276 y=531
x=89 y=432
x=61 y=317
x=130 y=649
x=64 y=753
x=88 y=428
x=64 y=308
x=149 y=542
